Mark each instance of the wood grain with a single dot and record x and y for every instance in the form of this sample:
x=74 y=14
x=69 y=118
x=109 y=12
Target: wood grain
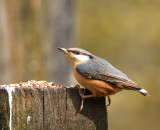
x=52 y=109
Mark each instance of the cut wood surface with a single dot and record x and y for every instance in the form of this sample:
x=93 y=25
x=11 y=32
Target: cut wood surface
x=49 y=108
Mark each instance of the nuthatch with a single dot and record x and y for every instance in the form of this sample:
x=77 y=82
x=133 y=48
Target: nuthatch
x=98 y=75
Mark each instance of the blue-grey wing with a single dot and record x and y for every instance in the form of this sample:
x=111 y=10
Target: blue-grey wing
x=99 y=69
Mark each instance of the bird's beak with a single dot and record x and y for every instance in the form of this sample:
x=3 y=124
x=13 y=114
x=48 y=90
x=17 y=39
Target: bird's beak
x=66 y=52
x=63 y=50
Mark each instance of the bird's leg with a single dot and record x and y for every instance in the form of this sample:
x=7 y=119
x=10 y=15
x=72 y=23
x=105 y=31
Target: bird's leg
x=109 y=101
x=82 y=93
x=83 y=96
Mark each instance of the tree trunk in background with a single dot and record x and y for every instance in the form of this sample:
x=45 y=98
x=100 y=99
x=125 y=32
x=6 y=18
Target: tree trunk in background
x=30 y=32
x=61 y=21
x=5 y=66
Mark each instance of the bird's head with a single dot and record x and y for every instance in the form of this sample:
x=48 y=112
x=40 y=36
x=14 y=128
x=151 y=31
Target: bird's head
x=76 y=55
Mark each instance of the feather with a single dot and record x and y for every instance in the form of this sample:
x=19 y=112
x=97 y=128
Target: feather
x=99 y=69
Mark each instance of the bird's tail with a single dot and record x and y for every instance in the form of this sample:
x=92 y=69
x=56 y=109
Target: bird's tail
x=140 y=90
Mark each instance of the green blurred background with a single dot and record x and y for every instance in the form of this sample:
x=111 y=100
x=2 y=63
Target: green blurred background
x=126 y=33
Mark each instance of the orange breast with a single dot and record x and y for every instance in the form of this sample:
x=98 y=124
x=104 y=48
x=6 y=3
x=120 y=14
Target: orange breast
x=97 y=87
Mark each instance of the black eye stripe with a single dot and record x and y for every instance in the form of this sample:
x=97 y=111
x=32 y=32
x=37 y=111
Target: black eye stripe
x=78 y=52
x=75 y=52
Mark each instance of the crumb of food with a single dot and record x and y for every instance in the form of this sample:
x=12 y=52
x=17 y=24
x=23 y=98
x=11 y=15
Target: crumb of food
x=34 y=83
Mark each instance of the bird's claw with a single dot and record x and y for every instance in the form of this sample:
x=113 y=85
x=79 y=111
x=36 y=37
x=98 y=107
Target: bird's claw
x=109 y=101
x=81 y=94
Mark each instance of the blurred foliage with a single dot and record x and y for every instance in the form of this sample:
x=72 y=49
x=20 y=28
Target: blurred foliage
x=126 y=33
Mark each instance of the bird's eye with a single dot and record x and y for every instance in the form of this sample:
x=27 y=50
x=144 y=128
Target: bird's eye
x=77 y=52
x=91 y=57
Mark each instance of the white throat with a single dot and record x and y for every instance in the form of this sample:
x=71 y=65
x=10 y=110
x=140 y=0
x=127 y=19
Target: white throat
x=81 y=58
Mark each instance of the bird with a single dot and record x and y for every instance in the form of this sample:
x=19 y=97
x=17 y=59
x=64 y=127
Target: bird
x=98 y=75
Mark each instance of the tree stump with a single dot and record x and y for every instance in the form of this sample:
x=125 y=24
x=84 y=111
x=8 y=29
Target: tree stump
x=46 y=108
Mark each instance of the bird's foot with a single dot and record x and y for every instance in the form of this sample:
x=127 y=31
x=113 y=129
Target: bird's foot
x=109 y=101
x=76 y=86
x=84 y=97
x=81 y=93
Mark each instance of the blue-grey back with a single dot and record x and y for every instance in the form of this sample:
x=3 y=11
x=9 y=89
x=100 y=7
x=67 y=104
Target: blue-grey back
x=100 y=69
